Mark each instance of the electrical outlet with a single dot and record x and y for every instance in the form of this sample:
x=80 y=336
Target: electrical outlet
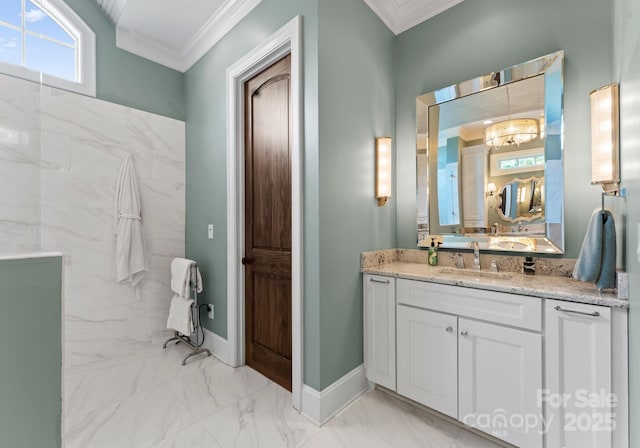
x=210 y=311
x=210 y=231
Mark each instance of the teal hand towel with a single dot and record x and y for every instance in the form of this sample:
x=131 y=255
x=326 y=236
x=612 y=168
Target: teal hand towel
x=607 y=277
x=597 y=260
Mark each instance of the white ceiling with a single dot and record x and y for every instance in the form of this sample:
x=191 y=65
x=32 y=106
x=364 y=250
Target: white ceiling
x=400 y=15
x=177 y=33
x=173 y=33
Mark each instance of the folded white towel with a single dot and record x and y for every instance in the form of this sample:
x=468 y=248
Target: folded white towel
x=181 y=277
x=180 y=318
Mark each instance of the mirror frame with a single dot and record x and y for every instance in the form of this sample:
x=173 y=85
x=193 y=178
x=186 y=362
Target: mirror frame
x=552 y=67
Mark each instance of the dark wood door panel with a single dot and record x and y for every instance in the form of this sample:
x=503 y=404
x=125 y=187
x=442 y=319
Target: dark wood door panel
x=270 y=165
x=271 y=318
x=268 y=222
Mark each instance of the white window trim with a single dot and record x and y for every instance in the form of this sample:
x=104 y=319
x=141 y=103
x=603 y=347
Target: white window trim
x=85 y=52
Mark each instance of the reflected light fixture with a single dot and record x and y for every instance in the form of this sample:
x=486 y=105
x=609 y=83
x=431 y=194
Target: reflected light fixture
x=512 y=131
x=383 y=170
x=605 y=141
x=491 y=189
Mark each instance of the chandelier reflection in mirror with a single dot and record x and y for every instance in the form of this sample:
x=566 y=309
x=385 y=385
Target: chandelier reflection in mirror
x=512 y=131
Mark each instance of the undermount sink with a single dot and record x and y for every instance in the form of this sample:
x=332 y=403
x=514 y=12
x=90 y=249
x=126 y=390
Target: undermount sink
x=520 y=244
x=469 y=273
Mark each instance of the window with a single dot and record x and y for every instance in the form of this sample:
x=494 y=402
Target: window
x=517 y=161
x=45 y=41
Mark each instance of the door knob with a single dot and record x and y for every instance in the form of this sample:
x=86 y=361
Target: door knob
x=248 y=260
x=464 y=332
x=449 y=329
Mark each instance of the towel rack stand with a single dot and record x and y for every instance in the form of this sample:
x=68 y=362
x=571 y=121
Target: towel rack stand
x=195 y=317
x=621 y=193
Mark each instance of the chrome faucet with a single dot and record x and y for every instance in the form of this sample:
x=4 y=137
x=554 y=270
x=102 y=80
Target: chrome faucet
x=476 y=255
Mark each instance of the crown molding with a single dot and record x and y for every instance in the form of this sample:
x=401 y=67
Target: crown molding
x=230 y=13
x=223 y=21
x=153 y=50
x=400 y=18
x=113 y=8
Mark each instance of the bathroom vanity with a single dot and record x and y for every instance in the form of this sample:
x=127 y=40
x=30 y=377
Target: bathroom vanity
x=531 y=360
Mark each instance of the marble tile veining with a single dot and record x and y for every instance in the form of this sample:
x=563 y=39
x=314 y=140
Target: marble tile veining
x=151 y=401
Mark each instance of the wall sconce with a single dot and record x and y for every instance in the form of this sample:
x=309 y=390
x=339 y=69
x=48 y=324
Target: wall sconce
x=491 y=189
x=383 y=170
x=605 y=140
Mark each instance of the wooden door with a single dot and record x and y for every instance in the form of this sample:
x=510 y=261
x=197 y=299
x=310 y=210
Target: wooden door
x=380 y=330
x=428 y=358
x=267 y=257
x=578 y=364
x=500 y=375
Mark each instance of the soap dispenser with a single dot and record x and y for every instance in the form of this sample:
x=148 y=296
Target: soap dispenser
x=433 y=253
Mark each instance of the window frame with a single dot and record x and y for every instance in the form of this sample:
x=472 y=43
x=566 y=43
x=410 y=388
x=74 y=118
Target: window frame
x=496 y=158
x=85 y=52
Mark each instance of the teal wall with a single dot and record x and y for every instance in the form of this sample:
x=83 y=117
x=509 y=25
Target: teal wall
x=357 y=103
x=127 y=79
x=341 y=218
x=626 y=63
x=481 y=36
x=31 y=354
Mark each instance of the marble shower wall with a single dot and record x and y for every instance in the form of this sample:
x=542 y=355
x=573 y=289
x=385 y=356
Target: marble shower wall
x=19 y=166
x=59 y=189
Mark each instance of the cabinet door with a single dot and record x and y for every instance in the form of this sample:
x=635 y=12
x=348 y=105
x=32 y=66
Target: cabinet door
x=578 y=365
x=500 y=374
x=473 y=178
x=427 y=358
x=380 y=330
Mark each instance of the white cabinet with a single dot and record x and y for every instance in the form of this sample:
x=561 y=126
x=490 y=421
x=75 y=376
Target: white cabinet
x=578 y=366
x=477 y=356
x=380 y=330
x=427 y=358
x=500 y=374
x=473 y=177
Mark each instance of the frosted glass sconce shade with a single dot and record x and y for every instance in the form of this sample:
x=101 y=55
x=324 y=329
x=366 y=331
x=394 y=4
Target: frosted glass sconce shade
x=605 y=164
x=383 y=170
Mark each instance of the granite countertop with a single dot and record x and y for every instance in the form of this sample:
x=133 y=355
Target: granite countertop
x=546 y=287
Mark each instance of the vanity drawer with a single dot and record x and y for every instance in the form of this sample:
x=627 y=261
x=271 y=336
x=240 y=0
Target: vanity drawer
x=507 y=309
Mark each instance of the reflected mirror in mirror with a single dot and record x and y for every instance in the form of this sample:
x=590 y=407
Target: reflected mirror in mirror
x=521 y=200
x=489 y=158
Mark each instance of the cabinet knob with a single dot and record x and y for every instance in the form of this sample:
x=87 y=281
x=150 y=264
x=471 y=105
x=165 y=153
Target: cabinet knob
x=464 y=332
x=449 y=329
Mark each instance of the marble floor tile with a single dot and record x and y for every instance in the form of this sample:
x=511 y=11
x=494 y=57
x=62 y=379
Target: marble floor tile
x=151 y=401
x=139 y=421
x=98 y=388
x=215 y=385
x=394 y=422
x=263 y=419
x=467 y=439
x=195 y=436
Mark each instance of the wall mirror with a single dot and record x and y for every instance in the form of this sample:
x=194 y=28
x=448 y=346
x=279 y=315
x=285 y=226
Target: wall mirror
x=490 y=160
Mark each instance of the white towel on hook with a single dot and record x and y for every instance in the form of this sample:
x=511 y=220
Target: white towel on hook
x=180 y=317
x=131 y=253
x=181 y=281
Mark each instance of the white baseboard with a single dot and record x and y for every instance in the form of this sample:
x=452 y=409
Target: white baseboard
x=217 y=344
x=320 y=407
